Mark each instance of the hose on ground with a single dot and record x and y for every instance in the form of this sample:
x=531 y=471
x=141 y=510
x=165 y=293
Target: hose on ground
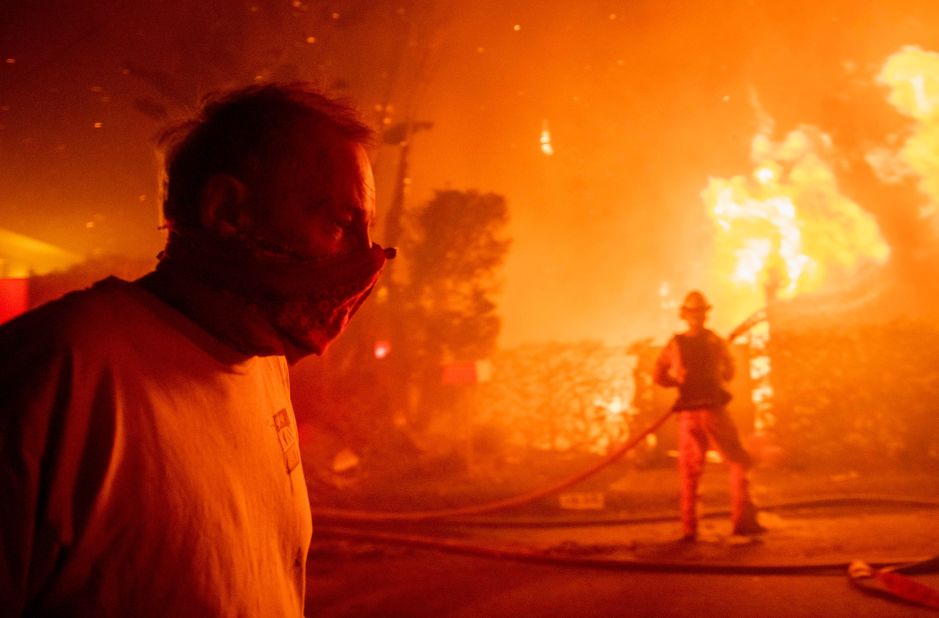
x=772 y=507
x=496 y=505
x=674 y=566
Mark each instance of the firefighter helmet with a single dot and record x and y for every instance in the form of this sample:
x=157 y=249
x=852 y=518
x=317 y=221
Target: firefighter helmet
x=695 y=301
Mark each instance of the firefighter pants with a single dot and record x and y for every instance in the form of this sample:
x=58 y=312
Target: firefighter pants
x=696 y=430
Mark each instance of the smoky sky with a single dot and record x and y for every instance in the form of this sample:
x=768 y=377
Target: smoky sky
x=644 y=101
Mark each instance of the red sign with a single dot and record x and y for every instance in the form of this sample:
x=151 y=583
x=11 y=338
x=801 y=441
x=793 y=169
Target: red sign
x=466 y=372
x=14 y=298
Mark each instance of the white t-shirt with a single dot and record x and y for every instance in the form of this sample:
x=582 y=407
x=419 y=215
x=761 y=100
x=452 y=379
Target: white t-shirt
x=146 y=469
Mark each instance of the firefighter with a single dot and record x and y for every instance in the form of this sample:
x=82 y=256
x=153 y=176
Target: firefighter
x=698 y=363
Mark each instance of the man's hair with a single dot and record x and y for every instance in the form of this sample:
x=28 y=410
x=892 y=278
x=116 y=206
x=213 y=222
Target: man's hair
x=247 y=133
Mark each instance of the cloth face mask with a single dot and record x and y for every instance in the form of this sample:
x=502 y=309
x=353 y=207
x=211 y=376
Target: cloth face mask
x=308 y=301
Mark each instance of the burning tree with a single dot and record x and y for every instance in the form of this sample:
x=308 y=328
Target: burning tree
x=836 y=229
x=787 y=229
x=839 y=195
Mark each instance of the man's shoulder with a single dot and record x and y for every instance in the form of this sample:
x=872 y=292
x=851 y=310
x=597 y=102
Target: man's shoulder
x=83 y=331
x=712 y=334
x=705 y=337
x=106 y=306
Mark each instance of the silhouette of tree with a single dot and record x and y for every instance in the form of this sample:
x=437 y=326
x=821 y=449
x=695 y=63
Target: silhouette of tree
x=454 y=252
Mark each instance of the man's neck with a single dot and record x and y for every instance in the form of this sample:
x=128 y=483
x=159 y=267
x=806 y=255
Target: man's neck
x=222 y=315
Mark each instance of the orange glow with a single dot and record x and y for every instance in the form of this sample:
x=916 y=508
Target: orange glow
x=912 y=75
x=545 y=139
x=787 y=227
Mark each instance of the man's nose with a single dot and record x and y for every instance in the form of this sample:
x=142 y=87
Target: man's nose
x=361 y=237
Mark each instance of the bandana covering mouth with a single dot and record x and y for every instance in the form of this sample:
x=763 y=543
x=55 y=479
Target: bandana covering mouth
x=307 y=301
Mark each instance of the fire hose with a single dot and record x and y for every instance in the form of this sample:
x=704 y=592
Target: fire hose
x=496 y=505
x=892 y=581
x=882 y=579
x=456 y=546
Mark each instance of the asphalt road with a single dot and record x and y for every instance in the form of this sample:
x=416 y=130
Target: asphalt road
x=363 y=578
x=424 y=584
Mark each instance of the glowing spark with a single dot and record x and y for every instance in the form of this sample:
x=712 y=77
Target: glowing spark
x=98 y=125
x=516 y=27
x=311 y=39
x=545 y=139
x=382 y=349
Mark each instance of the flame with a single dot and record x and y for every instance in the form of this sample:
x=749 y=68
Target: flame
x=912 y=76
x=786 y=229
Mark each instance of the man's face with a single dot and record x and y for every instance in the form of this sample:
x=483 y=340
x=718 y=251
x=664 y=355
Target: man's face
x=695 y=318
x=320 y=202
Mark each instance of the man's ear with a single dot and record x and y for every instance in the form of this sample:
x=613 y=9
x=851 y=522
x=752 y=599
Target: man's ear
x=223 y=205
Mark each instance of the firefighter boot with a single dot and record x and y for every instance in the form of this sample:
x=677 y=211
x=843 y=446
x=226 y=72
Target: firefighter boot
x=747 y=523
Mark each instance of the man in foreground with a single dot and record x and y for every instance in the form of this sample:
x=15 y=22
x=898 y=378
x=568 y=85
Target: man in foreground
x=149 y=463
x=699 y=363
